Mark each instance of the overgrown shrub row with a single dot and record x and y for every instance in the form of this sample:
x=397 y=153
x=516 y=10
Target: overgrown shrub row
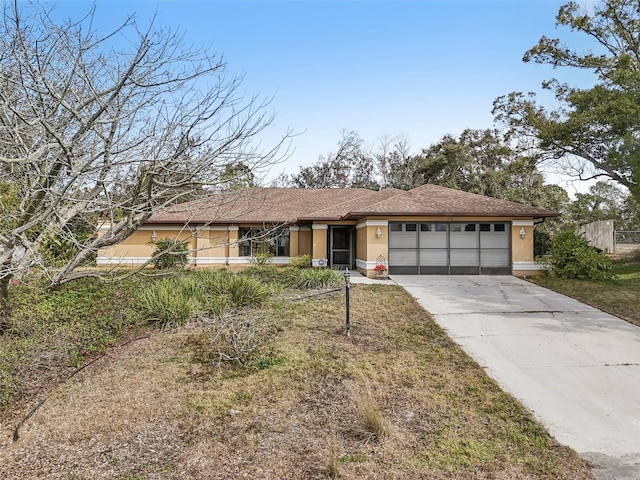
x=173 y=301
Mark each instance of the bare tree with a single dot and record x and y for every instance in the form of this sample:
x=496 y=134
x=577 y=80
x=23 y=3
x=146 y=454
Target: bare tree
x=107 y=128
x=397 y=166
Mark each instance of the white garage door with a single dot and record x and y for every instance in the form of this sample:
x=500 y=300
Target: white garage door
x=449 y=248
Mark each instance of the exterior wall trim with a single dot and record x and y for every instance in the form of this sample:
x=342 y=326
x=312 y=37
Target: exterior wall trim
x=319 y=226
x=522 y=223
x=366 y=264
x=133 y=261
x=122 y=260
x=528 y=266
x=373 y=223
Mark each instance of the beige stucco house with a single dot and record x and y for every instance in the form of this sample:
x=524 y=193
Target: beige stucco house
x=426 y=230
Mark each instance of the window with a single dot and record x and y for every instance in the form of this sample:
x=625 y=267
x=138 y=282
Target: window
x=441 y=227
x=499 y=227
x=411 y=227
x=254 y=241
x=425 y=227
x=395 y=227
x=470 y=227
x=485 y=227
x=456 y=227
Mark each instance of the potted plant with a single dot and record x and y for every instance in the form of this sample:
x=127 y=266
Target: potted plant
x=381 y=270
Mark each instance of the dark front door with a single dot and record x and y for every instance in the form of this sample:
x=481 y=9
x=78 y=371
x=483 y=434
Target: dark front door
x=340 y=247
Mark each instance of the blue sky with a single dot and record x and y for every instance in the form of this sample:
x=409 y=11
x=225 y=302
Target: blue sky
x=416 y=68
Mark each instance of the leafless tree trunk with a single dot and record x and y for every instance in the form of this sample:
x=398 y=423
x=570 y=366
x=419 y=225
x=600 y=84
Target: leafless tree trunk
x=396 y=164
x=107 y=128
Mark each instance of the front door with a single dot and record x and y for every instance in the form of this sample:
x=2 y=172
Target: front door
x=340 y=254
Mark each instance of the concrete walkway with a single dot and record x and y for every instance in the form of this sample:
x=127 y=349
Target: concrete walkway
x=576 y=368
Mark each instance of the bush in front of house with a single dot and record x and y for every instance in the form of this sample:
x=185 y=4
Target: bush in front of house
x=176 y=300
x=170 y=303
x=170 y=253
x=572 y=257
x=301 y=261
x=318 y=278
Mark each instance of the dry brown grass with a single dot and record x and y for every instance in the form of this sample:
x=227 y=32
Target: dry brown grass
x=149 y=410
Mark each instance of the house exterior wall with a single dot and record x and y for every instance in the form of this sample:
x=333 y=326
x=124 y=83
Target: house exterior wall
x=218 y=244
x=319 y=247
x=522 y=249
x=294 y=233
x=370 y=247
x=305 y=241
x=138 y=247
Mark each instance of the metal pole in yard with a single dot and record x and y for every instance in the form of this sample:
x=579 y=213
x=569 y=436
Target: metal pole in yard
x=347 y=281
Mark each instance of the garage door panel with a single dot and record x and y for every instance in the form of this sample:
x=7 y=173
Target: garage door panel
x=494 y=240
x=495 y=258
x=464 y=270
x=403 y=240
x=399 y=270
x=464 y=240
x=433 y=239
x=434 y=257
x=407 y=257
x=434 y=270
x=464 y=257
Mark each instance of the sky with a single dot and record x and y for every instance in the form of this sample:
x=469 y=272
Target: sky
x=421 y=69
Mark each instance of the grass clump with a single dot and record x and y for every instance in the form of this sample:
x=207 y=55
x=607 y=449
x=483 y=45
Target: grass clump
x=174 y=301
x=170 y=303
x=243 y=291
x=318 y=278
x=371 y=419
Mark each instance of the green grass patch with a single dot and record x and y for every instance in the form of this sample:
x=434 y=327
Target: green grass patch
x=47 y=331
x=618 y=296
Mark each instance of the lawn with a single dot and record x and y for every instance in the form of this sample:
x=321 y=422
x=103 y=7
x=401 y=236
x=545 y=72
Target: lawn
x=619 y=297
x=397 y=399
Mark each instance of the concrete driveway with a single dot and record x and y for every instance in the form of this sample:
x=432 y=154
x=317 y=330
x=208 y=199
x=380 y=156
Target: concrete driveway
x=576 y=368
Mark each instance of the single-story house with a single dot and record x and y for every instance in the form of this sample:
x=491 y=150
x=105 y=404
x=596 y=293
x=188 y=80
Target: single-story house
x=426 y=230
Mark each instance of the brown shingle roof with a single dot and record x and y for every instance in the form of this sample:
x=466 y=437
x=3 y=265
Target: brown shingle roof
x=436 y=200
x=290 y=205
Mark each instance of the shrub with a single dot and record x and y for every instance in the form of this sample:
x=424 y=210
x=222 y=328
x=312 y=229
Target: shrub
x=275 y=276
x=541 y=243
x=243 y=291
x=261 y=258
x=301 y=261
x=168 y=303
x=572 y=257
x=318 y=278
x=170 y=253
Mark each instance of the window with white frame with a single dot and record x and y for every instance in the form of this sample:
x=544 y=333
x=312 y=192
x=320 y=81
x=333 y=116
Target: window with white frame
x=254 y=241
